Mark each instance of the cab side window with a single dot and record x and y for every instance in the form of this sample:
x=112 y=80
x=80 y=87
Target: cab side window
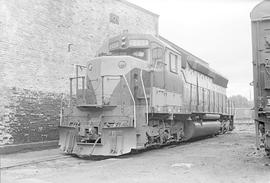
x=157 y=53
x=157 y=58
x=173 y=63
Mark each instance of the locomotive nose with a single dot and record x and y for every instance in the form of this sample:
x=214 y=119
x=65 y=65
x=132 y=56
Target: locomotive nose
x=107 y=75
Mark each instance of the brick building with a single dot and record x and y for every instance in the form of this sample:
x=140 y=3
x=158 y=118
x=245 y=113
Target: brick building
x=40 y=41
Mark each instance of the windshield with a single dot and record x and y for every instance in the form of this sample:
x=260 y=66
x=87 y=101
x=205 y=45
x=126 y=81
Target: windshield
x=138 y=53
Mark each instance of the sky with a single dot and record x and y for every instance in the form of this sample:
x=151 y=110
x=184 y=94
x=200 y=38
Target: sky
x=217 y=31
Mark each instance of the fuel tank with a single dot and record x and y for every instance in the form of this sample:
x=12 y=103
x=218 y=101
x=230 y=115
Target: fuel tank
x=211 y=117
x=196 y=129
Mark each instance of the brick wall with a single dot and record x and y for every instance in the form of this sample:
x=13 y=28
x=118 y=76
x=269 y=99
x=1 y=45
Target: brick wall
x=40 y=41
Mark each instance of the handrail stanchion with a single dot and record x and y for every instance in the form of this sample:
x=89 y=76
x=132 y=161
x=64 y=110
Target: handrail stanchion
x=134 y=104
x=146 y=101
x=77 y=80
x=102 y=89
x=70 y=99
x=83 y=88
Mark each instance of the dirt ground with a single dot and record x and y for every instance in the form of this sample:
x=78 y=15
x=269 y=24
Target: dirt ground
x=225 y=158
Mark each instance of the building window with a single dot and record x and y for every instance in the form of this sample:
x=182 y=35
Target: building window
x=173 y=63
x=114 y=19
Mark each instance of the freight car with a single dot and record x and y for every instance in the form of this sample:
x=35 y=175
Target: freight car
x=260 y=19
x=142 y=91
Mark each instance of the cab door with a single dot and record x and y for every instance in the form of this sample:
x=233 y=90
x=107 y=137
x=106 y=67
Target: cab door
x=158 y=75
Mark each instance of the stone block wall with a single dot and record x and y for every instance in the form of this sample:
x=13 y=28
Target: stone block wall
x=40 y=42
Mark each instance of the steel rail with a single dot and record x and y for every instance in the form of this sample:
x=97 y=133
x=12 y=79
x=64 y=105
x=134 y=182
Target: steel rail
x=36 y=161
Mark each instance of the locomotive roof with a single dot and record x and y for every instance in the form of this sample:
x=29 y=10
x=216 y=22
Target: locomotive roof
x=200 y=65
x=261 y=11
x=179 y=49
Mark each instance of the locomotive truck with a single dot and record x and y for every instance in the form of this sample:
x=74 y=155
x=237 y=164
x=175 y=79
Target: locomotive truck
x=142 y=91
x=260 y=21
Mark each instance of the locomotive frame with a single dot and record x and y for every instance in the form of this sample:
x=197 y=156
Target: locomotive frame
x=141 y=91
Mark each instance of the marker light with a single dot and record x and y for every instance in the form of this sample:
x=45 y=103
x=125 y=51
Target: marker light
x=123 y=44
x=90 y=67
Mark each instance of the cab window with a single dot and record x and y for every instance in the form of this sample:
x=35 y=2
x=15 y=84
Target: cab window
x=173 y=62
x=138 y=53
x=157 y=53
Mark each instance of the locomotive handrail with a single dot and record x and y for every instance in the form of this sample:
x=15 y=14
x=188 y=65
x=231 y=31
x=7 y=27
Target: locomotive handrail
x=111 y=75
x=261 y=19
x=134 y=104
x=185 y=78
x=146 y=101
x=77 y=77
x=77 y=87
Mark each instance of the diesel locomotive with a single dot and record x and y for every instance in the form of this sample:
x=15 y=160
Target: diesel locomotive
x=260 y=21
x=142 y=91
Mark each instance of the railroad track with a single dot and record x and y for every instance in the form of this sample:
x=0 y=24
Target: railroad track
x=244 y=123
x=36 y=161
x=57 y=157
